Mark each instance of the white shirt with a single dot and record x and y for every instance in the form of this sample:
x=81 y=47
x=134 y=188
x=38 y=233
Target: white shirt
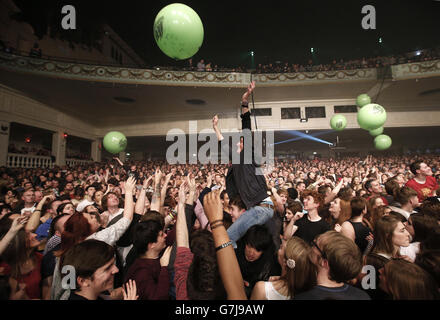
x=112 y=234
x=112 y=216
x=411 y=251
x=272 y=294
x=31 y=209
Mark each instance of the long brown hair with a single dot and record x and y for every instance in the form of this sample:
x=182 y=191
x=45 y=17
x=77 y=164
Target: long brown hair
x=408 y=281
x=383 y=235
x=303 y=276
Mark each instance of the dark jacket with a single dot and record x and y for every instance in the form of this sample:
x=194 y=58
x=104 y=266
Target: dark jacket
x=242 y=179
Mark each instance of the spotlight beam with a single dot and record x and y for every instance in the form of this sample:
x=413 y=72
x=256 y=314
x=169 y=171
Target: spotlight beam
x=306 y=136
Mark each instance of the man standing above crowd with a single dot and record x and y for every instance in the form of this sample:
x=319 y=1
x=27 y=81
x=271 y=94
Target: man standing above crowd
x=423 y=182
x=242 y=180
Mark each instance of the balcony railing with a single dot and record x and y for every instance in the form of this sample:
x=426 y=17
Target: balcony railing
x=76 y=162
x=17 y=160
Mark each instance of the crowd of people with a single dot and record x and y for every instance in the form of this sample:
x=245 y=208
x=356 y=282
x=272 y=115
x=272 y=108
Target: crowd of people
x=325 y=229
x=362 y=63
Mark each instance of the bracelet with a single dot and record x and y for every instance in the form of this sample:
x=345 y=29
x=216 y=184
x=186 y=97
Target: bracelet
x=217 y=225
x=224 y=245
x=215 y=221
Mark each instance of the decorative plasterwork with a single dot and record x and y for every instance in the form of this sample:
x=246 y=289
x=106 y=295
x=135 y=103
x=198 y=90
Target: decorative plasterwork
x=416 y=70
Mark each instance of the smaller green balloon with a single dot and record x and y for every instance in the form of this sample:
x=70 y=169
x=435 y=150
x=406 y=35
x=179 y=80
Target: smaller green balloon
x=382 y=142
x=338 y=122
x=376 y=132
x=363 y=99
x=114 y=142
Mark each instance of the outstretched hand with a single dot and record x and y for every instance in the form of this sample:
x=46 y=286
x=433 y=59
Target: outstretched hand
x=212 y=206
x=215 y=121
x=130 y=293
x=248 y=92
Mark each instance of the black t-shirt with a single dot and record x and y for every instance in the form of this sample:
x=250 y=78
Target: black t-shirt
x=75 y=297
x=308 y=230
x=49 y=262
x=346 y=292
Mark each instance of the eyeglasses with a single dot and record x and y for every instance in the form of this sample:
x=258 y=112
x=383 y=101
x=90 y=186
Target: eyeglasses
x=323 y=255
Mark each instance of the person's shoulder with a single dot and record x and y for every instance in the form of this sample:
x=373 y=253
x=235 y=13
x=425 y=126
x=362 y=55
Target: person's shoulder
x=431 y=179
x=311 y=294
x=357 y=294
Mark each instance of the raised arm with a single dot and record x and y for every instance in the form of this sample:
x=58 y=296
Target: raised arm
x=163 y=191
x=129 y=191
x=227 y=260
x=140 y=203
x=17 y=224
x=334 y=192
x=181 y=227
x=216 y=129
x=34 y=219
x=155 y=200
x=119 y=161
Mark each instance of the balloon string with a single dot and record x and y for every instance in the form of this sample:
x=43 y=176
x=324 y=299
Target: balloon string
x=380 y=89
x=253 y=107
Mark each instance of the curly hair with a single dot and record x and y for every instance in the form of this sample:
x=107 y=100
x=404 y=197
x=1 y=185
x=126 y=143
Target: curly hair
x=204 y=282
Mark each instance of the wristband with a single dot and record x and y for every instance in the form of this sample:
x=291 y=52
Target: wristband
x=224 y=245
x=215 y=221
x=217 y=225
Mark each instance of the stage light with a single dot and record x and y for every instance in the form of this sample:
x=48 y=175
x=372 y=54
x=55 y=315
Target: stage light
x=252 y=53
x=418 y=53
x=27 y=140
x=65 y=135
x=301 y=135
x=302 y=120
x=380 y=40
x=312 y=50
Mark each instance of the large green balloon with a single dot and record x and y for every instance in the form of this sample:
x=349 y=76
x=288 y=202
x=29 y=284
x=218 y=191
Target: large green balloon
x=382 y=142
x=363 y=99
x=371 y=116
x=338 y=122
x=376 y=132
x=114 y=142
x=178 y=31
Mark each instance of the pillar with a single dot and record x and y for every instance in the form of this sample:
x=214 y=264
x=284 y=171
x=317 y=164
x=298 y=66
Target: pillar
x=59 y=148
x=4 y=142
x=95 y=150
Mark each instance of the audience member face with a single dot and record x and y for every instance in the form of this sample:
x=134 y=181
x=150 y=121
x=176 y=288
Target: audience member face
x=103 y=278
x=425 y=170
x=91 y=191
x=251 y=254
x=69 y=209
x=112 y=200
x=335 y=208
x=410 y=228
x=376 y=188
x=236 y=212
x=28 y=197
x=98 y=196
x=93 y=221
x=38 y=196
x=32 y=240
x=309 y=204
x=401 y=236
x=289 y=214
x=301 y=187
x=378 y=203
x=60 y=225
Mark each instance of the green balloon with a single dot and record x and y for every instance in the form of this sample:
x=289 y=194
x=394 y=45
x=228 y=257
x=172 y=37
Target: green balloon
x=338 y=122
x=114 y=142
x=376 y=132
x=363 y=99
x=178 y=31
x=382 y=142
x=371 y=116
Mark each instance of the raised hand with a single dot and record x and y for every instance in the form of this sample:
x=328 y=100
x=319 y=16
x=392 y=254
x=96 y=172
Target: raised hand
x=18 y=223
x=212 y=206
x=246 y=95
x=215 y=121
x=130 y=184
x=182 y=192
x=130 y=293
